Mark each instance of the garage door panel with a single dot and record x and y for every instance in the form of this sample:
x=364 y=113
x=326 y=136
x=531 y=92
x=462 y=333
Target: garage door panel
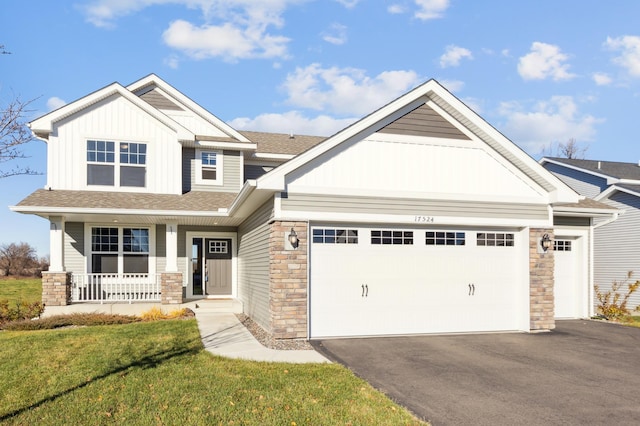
x=411 y=289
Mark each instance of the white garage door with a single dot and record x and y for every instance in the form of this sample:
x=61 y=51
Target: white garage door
x=385 y=281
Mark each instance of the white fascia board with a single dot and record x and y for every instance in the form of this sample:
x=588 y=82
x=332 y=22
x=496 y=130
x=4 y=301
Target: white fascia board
x=45 y=123
x=582 y=212
x=269 y=156
x=240 y=146
x=246 y=190
x=187 y=102
x=67 y=210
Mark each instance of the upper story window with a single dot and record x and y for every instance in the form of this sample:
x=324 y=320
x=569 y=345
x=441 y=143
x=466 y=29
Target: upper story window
x=105 y=168
x=209 y=167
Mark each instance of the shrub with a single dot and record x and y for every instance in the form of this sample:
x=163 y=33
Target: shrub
x=155 y=314
x=612 y=304
x=77 y=319
x=19 y=310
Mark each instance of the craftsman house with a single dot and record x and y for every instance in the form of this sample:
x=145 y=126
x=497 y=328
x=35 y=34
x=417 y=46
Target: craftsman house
x=419 y=218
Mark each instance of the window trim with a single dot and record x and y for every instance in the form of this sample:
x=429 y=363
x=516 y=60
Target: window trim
x=219 y=180
x=116 y=164
x=88 y=248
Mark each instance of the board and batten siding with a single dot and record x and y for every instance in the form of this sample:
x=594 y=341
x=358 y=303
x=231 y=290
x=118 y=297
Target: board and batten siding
x=583 y=183
x=74 y=258
x=195 y=123
x=414 y=165
x=617 y=246
x=253 y=264
x=231 y=169
x=407 y=206
x=113 y=119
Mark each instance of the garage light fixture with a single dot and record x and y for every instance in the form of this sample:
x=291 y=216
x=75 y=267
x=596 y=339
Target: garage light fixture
x=293 y=239
x=546 y=242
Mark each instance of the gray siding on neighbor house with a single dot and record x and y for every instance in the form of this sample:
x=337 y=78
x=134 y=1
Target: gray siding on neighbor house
x=398 y=206
x=230 y=167
x=583 y=183
x=253 y=264
x=254 y=172
x=617 y=245
x=74 y=259
x=424 y=121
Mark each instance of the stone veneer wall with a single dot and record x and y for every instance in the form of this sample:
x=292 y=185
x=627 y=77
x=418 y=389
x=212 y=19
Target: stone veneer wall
x=171 y=288
x=541 y=268
x=56 y=288
x=288 y=282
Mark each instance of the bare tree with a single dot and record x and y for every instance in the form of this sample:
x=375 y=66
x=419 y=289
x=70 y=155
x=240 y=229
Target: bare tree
x=572 y=150
x=18 y=259
x=14 y=134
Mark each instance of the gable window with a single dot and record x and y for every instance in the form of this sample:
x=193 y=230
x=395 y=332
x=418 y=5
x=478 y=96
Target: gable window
x=105 y=168
x=444 y=238
x=494 y=239
x=119 y=250
x=209 y=167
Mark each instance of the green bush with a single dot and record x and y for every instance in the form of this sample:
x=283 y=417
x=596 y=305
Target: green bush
x=19 y=310
x=612 y=304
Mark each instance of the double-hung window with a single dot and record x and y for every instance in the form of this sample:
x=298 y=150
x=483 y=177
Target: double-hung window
x=105 y=168
x=119 y=250
x=209 y=167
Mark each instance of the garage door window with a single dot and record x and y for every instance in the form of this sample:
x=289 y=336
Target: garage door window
x=444 y=238
x=490 y=239
x=562 y=245
x=391 y=237
x=335 y=236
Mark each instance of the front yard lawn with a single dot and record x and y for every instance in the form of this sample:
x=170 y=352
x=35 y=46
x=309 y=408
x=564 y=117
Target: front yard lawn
x=158 y=373
x=21 y=289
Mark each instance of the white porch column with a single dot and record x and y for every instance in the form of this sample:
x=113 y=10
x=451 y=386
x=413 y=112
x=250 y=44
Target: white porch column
x=172 y=247
x=56 y=244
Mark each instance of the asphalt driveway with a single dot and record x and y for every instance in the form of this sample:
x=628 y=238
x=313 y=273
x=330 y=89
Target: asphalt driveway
x=582 y=373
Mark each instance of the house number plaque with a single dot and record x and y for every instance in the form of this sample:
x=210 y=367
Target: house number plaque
x=423 y=219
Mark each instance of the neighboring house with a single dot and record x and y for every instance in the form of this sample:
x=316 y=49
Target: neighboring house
x=616 y=244
x=419 y=218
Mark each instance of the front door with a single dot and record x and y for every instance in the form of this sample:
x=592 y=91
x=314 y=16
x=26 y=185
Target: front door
x=211 y=266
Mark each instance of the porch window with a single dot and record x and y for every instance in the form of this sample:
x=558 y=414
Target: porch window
x=109 y=245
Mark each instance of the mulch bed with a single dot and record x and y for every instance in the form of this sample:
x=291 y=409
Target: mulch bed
x=267 y=339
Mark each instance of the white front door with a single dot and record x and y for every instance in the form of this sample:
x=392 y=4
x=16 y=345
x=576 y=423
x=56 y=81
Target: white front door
x=569 y=289
x=381 y=280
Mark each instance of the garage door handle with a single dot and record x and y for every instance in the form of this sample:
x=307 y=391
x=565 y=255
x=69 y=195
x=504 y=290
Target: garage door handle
x=362 y=290
x=472 y=289
x=469 y=289
x=366 y=294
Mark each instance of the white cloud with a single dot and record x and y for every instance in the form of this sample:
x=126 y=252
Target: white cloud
x=172 y=61
x=544 y=61
x=629 y=48
x=452 y=85
x=292 y=122
x=337 y=34
x=232 y=29
x=601 y=79
x=349 y=4
x=396 y=9
x=505 y=53
x=346 y=91
x=54 y=103
x=453 y=55
x=557 y=119
x=431 y=9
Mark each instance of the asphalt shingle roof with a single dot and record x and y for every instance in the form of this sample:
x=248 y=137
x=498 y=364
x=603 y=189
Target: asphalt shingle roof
x=587 y=203
x=282 y=143
x=191 y=201
x=609 y=168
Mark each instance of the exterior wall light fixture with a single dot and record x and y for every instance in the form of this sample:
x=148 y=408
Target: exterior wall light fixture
x=546 y=242
x=293 y=239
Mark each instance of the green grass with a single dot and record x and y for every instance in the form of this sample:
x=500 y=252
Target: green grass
x=158 y=373
x=21 y=289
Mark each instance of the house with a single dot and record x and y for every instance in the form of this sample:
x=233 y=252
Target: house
x=617 y=184
x=419 y=218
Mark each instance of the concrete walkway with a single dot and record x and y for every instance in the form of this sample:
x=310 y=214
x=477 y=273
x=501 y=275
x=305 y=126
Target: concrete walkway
x=221 y=331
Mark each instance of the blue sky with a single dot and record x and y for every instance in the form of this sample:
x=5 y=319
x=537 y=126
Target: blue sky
x=540 y=71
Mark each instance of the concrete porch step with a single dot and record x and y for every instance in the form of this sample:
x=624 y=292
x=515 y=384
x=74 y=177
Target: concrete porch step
x=232 y=306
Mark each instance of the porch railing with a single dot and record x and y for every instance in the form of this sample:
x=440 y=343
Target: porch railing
x=115 y=288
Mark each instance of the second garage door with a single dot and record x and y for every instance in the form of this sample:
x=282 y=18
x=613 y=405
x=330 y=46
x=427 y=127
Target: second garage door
x=376 y=280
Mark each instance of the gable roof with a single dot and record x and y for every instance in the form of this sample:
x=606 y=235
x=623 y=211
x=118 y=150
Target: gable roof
x=614 y=169
x=282 y=143
x=438 y=98
x=43 y=125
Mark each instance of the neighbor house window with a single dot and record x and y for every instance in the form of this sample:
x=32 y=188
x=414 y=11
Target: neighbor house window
x=110 y=244
x=335 y=236
x=209 y=167
x=444 y=238
x=105 y=168
x=494 y=239
x=391 y=237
